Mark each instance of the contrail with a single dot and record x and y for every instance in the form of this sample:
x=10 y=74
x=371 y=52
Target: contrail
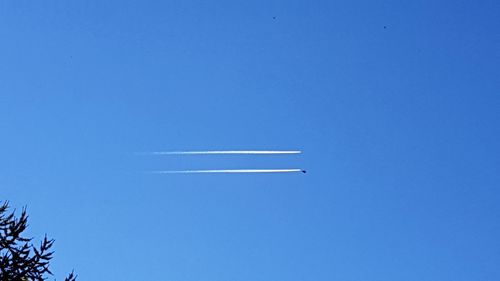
x=233 y=171
x=224 y=152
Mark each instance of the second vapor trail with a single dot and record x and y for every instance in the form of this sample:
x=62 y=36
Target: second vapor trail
x=220 y=152
x=231 y=171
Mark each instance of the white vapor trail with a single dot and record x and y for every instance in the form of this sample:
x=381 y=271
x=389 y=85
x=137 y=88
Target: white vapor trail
x=225 y=152
x=229 y=171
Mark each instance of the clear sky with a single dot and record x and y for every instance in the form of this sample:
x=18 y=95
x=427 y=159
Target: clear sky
x=395 y=105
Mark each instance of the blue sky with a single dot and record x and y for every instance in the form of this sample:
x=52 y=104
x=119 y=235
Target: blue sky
x=395 y=105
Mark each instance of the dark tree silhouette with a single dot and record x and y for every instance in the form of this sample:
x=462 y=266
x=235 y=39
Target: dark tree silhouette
x=20 y=259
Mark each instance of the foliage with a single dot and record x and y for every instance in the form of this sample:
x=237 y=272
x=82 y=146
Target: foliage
x=20 y=259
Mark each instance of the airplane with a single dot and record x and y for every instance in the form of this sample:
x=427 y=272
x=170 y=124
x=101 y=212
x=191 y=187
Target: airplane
x=303 y=171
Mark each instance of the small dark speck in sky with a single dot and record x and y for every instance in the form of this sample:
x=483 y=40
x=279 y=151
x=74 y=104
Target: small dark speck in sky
x=274 y=18
x=385 y=27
